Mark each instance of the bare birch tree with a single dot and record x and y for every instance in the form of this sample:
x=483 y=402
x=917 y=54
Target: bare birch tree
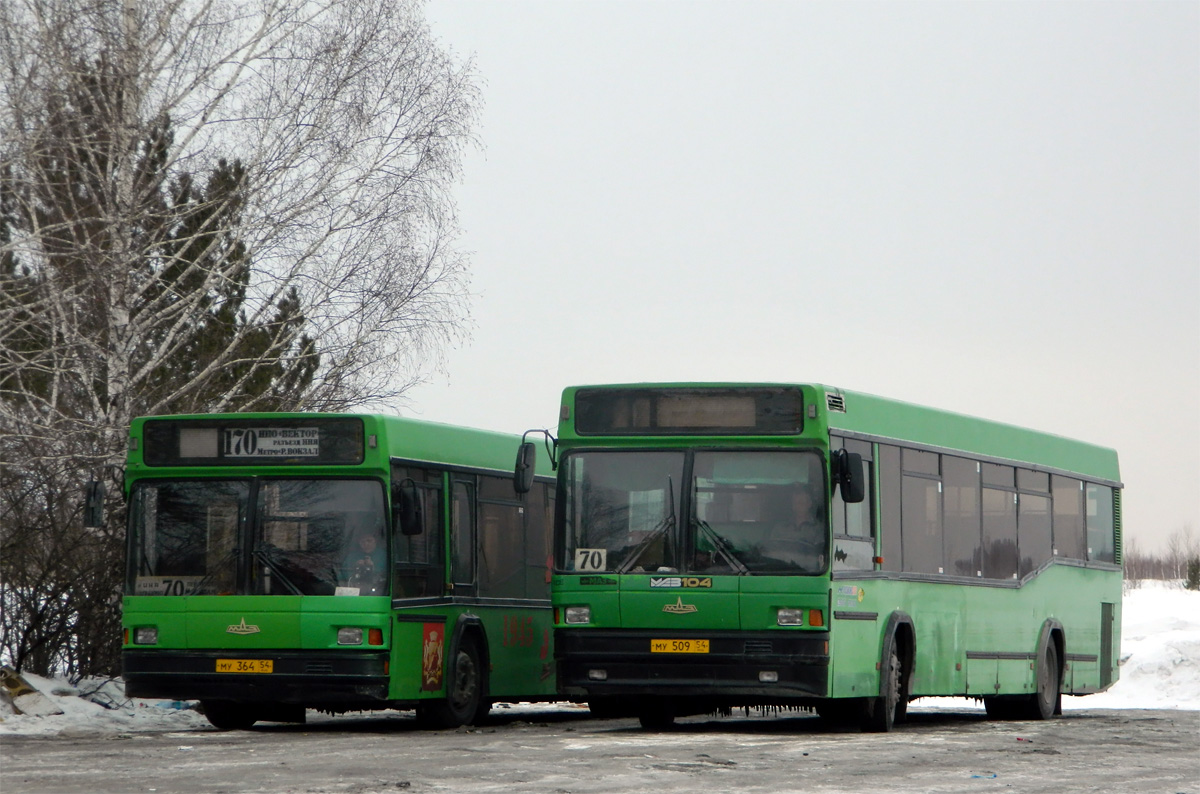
x=213 y=205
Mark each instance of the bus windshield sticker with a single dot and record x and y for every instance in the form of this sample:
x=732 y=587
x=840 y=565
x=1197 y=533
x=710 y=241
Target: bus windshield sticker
x=167 y=585
x=591 y=559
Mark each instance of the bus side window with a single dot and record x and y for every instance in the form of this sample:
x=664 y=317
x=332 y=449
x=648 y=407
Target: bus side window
x=1070 y=538
x=853 y=530
x=889 y=507
x=1033 y=520
x=960 y=477
x=1101 y=547
x=999 y=522
x=539 y=518
x=921 y=512
x=418 y=569
x=462 y=537
x=501 y=539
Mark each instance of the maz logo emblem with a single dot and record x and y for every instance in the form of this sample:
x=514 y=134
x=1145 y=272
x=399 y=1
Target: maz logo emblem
x=242 y=628
x=679 y=608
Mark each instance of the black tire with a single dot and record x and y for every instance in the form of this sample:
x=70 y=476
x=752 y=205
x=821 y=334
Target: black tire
x=660 y=719
x=606 y=708
x=466 y=702
x=225 y=715
x=881 y=713
x=1046 y=701
x=840 y=713
x=1047 y=698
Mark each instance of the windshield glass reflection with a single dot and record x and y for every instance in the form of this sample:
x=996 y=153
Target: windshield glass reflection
x=303 y=537
x=743 y=512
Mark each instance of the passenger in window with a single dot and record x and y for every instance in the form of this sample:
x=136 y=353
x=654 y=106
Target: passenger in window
x=365 y=565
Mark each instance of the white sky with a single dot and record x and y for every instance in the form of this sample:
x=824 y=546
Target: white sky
x=988 y=207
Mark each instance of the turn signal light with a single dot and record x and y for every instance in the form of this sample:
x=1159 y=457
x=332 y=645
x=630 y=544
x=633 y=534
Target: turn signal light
x=374 y=636
x=816 y=617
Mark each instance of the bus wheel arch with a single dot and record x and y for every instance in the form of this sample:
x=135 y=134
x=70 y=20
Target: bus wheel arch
x=466 y=701
x=898 y=650
x=1048 y=665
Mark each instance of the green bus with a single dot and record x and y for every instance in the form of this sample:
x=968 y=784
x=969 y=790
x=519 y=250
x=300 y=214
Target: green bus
x=286 y=561
x=795 y=545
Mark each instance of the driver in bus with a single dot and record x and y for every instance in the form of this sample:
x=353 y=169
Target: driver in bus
x=365 y=565
x=796 y=537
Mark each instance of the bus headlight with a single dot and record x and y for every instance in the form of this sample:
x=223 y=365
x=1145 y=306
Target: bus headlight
x=145 y=635
x=790 y=617
x=577 y=615
x=348 y=636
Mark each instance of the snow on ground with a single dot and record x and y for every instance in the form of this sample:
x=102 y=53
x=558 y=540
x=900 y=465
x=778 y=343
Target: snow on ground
x=1160 y=669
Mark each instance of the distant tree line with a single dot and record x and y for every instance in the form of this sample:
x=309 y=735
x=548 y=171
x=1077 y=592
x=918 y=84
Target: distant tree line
x=1180 y=560
x=204 y=206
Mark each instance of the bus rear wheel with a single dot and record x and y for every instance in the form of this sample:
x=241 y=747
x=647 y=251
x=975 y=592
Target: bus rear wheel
x=465 y=702
x=225 y=715
x=1046 y=701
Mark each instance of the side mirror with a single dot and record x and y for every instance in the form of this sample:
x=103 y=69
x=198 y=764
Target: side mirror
x=408 y=508
x=848 y=468
x=524 y=469
x=93 y=506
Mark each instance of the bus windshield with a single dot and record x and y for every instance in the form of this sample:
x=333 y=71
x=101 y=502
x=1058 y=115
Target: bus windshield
x=740 y=512
x=301 y=537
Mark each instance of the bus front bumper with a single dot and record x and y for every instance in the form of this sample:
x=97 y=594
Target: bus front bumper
x=766 y=666
x=301 y=677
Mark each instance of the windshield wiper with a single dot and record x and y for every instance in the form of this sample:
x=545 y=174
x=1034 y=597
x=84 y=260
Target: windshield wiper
x=266 y=554
x=661 y=528
x=721 y=546
x=211 y=572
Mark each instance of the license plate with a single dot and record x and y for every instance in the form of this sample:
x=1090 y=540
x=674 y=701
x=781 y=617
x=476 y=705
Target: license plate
x=678 y=646
x=245 y=665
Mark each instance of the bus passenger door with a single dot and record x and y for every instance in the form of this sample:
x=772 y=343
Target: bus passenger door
x=462 y=538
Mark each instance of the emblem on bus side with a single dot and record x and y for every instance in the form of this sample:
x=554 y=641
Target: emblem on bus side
x=242 y=628
x=680 y=581
x=679 y=608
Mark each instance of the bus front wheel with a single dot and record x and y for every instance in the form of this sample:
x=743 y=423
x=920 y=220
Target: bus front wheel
x=660 y=718
x=465 y=702
x=882 y=712
x=225 y=715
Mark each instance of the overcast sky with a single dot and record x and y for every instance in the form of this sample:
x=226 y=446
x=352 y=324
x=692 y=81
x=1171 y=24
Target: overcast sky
x=992 y=208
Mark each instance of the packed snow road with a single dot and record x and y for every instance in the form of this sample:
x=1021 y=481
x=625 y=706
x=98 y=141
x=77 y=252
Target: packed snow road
x=556 y=752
